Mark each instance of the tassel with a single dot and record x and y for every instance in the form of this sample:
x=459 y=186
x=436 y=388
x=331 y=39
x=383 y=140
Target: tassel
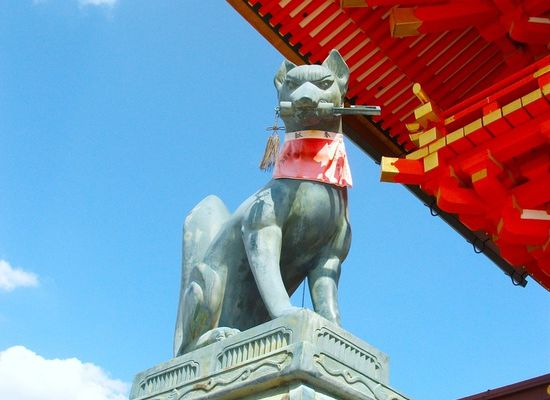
x=271 y=153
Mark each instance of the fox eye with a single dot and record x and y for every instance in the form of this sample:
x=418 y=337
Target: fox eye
x=291 y=85
x=324 y=85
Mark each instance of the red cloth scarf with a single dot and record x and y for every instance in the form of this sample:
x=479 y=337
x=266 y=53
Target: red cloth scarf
x=316 y=156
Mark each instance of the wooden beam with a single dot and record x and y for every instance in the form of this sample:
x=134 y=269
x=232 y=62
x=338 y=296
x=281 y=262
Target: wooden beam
x=369 y=138
x=353 y=3
x=266 y=30
x=414 y=21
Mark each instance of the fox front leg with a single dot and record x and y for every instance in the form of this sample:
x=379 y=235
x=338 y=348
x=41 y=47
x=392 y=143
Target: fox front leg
x=262 y=238
x=323 y=286
x=323 y=278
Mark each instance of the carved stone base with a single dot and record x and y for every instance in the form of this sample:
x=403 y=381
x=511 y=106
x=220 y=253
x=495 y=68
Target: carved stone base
x=299 y=356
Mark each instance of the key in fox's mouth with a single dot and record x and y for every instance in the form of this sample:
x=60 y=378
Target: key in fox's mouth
x=311 y=114
x=306 y=110
x=307 y=116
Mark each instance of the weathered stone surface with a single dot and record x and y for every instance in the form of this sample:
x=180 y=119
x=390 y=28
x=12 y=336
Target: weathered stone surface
x=298 y=356
x=239 y=270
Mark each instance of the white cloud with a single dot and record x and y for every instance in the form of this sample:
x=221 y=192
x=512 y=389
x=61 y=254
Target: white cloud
x=11 y=277
x=24 y=375
x=108 y=3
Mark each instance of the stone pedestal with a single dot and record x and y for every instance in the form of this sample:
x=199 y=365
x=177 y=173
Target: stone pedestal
x=299 y=356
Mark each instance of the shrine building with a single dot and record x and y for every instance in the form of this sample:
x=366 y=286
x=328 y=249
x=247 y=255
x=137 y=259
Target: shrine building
x=464 y=88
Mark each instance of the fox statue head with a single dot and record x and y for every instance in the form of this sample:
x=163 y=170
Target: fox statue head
x=307 y=86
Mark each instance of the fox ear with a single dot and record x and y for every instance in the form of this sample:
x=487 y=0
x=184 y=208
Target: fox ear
x=339 y=68
x=281 y=73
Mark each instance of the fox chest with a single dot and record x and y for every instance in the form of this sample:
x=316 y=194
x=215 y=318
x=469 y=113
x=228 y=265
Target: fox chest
x=317 y=213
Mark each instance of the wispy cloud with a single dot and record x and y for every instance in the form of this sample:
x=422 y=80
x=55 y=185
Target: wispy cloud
x=11 y=278
x=24 y=375
x=106 y=3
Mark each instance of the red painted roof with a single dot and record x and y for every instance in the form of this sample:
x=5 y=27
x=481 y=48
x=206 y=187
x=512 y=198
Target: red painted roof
x=450 y=65
x=462 y=52
x=532 y=389
x=487 y=161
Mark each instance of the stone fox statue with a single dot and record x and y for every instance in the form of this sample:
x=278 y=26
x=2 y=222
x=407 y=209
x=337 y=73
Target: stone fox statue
x=239 y=269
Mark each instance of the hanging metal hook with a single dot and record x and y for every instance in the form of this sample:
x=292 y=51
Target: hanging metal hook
x=431 y=206
x=275 y=127
x=516 y=282
x=481 y=249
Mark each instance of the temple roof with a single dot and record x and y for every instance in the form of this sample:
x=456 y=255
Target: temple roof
x=458 y=53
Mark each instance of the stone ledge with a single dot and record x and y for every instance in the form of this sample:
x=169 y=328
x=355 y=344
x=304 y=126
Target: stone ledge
x=299 y=356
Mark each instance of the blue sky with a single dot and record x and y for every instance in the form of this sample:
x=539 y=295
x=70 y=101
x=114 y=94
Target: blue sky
x=116 y=118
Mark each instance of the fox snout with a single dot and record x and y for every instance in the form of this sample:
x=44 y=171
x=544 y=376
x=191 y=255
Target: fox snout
x=303 y=106
x=306 y=96
x=305 y=102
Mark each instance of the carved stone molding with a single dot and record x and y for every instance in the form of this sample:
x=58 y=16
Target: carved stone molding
x=300 y=356
x=349 y=376
x=275 y=363
x=169 y=378
x=350 y=353
x=252 y=348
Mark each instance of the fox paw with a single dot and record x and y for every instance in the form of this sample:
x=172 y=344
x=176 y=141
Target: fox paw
x=215 y=335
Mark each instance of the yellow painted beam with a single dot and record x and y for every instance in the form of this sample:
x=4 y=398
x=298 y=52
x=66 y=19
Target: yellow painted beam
x=403 y=22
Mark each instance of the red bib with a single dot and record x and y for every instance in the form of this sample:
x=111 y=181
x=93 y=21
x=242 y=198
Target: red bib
x=316 y=156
